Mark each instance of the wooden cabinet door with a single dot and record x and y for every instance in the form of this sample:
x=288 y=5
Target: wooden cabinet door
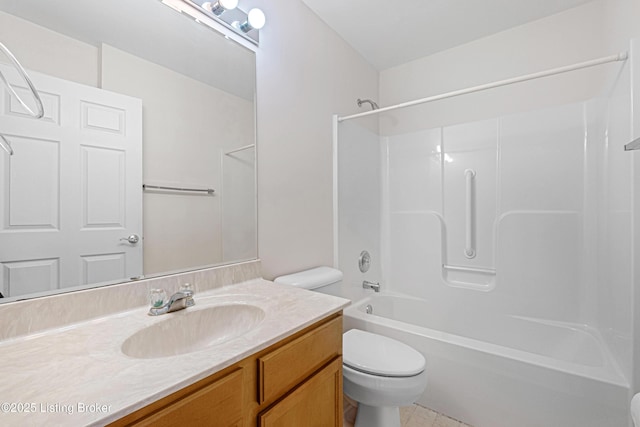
x=218 y=404
x=316 y=403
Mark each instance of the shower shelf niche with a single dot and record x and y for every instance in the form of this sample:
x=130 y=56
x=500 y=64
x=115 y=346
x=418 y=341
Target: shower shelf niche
x=481 y=279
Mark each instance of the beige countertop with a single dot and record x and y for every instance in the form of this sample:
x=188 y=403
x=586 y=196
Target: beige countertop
x=77 y=375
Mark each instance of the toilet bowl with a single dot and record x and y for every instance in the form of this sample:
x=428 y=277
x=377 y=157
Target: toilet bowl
x=380 y=373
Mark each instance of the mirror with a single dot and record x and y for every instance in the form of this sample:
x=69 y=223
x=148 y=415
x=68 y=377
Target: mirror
x=135 y=95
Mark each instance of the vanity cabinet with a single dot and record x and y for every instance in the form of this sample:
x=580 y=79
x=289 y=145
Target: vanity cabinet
x=294 y=382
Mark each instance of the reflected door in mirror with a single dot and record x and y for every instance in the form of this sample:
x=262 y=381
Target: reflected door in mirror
x=72 y=190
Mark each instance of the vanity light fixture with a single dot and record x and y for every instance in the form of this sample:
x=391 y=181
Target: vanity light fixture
x=220 y=6
x=227 y=13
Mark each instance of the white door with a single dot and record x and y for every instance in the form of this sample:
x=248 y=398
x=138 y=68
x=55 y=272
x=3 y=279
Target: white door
x=73 y=188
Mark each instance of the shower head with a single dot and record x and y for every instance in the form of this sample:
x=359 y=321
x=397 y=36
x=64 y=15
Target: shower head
x=374 y=106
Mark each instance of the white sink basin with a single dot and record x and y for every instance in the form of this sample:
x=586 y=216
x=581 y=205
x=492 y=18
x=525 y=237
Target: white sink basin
x=193 y=329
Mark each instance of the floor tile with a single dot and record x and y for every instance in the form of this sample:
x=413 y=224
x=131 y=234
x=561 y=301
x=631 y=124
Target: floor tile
x=406 y=412
x=410 y=416
x=444 y=421
x=424 y=416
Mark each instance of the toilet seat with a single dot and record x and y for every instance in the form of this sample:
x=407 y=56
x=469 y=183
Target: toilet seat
x=378 y=355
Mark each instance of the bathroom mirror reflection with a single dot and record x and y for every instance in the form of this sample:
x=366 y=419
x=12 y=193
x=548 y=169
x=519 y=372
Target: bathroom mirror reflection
x=135 y=94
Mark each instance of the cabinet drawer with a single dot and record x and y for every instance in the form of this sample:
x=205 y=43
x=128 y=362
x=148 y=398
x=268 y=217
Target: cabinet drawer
x=317 y=402
x=218 y=404
x=284 y=368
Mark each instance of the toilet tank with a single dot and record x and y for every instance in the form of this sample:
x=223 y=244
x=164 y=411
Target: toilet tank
x=326 y=280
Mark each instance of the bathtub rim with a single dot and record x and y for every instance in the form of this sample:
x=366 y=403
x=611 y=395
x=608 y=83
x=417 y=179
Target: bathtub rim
x=609 y=373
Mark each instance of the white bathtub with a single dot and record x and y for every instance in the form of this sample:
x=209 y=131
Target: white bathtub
x=503 y=371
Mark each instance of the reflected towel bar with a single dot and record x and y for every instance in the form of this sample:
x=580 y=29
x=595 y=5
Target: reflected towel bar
x=34 y=92
x=159 y=187
x=246 y=147
x=633 y=145
x=469 y=269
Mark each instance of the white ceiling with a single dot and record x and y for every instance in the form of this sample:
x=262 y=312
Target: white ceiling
x=389 y=33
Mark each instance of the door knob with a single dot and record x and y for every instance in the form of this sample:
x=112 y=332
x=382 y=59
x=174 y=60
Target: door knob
x=133 y=239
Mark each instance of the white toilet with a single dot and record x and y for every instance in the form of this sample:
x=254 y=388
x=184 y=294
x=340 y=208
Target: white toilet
x=380 y=373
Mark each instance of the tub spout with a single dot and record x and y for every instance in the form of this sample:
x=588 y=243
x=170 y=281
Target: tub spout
x=370 y=285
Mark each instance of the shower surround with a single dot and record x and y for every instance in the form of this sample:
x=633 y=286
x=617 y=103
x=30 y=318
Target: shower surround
x=509 y=237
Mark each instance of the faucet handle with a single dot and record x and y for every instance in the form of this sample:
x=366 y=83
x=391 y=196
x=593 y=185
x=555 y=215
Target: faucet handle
x=185 y=293
x=157 y=297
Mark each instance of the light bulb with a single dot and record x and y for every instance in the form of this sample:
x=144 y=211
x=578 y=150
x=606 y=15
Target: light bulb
x=219 y=7
x=256 y=18
x=228 y=4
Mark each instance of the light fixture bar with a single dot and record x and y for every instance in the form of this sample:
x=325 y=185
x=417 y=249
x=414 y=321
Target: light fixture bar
x=226 y=13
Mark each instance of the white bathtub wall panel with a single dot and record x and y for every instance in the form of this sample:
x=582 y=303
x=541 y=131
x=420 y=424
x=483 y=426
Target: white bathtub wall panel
x=635 y=197
x=415 y=254
x=539 y=264
x=414 y=205
x=470 y=146
x=618 y=167
x=594 y=114
x=359 y=206
x=615 y=245
x=415 y=172
x=358 y=167
x=541 y=160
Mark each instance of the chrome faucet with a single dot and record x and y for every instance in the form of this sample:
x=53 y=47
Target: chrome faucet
x=371 y=285
x=178 y=301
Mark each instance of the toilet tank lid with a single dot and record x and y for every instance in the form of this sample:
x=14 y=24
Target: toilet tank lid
x=311 y=279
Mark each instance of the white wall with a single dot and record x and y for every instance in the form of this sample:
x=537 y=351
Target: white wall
x=306 y=73
x=46 y=51
x=185 y=136
x=177 y=227
x=566 y=38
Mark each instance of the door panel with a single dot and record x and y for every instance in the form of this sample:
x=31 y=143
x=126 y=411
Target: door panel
x=100 y=268
x=32 y=185
x=103 y=187
x=31 y=276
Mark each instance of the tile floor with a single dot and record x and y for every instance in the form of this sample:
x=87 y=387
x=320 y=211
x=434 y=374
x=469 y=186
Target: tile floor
x=410 y=416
